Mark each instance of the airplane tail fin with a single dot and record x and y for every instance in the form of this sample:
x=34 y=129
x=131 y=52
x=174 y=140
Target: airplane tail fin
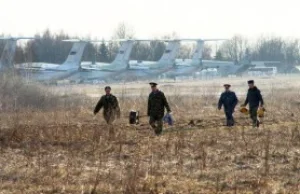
x=7 y=57
x=197 y=55
x=168 y=58
x=75 y=55
x=122 y=59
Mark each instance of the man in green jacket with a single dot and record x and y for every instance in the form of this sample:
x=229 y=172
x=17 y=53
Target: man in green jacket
x=255 y=100
x=110 y=105
x=157 y=103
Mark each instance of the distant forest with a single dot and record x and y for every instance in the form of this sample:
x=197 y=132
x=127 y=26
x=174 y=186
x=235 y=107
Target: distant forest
x=49 y=48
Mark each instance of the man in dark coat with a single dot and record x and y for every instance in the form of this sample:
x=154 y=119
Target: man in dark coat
x=157 y=103
x=228 y=100
x=110 y=105
x=255 y=100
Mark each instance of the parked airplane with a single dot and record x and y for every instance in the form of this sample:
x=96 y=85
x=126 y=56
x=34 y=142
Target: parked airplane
x=196 y=64
x=151 y=69
x=120 y=69
x=226 y=68
x=193 y=65
x=167 y=59
x=122 y=57
x=121 y=60
x=47 y=72
x=106 y=71
x=7 y=57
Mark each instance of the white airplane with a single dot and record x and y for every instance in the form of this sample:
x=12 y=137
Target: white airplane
x=46 y=72
x=226 y=68
x=7 y=57
x=196 y=64
x=193 y=65
x=121 y=60
x=106 y=71
x=120 y=69
x=167 y=59
x=151 y=69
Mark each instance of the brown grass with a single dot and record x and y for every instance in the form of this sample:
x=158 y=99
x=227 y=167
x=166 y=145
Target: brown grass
x=66 y=150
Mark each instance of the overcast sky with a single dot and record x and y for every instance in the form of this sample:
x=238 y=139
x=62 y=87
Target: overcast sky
x=153 y=18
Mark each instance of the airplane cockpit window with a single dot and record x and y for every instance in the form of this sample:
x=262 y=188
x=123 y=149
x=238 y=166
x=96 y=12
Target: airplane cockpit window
x=73 y=53
x=167 y=51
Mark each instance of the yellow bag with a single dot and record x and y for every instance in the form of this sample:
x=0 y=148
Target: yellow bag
x=261 y=112
x=244 y=110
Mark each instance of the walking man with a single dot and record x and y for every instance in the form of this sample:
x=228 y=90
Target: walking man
x=255 y=100
x=157 y=103
x=228 y=100
x=110 y=105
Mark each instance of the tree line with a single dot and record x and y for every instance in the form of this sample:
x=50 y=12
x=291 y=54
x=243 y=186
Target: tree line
x=262 y=49
x=48 y=47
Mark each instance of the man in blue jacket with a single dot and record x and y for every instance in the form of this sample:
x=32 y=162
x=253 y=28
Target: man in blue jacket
x=255 y=100
x=228 y=100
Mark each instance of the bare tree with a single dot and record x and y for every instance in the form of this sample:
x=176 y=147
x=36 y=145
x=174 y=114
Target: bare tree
x=157 y=49
x=185 y=51
x=235 y=48
x=219 y=55
x=2 y=44
x=292 y=52
x=206 y=53
x=173 y=35
x=141 y=51
x=123 y=31
x=269 y=49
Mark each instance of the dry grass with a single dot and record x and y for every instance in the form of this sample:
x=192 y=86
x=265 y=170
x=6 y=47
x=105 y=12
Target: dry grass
x=66 y=150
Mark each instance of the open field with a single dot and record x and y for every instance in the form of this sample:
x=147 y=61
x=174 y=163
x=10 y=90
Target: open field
x=64 y=149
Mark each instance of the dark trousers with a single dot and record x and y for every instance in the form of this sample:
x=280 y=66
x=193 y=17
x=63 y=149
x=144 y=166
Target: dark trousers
x=253 y=115
x=229 y=117
x=156 y=123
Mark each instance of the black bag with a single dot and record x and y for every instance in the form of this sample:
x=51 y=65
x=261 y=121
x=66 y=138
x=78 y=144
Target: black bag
x=134 y=117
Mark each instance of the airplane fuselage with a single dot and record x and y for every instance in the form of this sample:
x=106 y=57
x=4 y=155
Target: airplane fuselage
x=49 y=75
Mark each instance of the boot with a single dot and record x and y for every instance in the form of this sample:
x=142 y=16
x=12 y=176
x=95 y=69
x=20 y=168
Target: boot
x=257 y=123
x=158 y=131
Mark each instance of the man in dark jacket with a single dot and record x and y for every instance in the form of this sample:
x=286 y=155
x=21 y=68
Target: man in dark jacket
x=228 y=100
x=157 y=103
x=255 y=100
x=110 y=105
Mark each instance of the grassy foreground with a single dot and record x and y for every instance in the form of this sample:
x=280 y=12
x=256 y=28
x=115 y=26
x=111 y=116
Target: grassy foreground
x=66 y=150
